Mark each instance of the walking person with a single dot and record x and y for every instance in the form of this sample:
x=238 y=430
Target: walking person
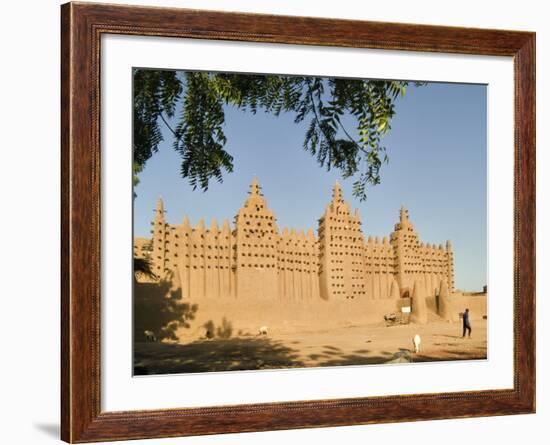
x=466 y=324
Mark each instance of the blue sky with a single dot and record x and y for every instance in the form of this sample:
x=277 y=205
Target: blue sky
x=437 y=169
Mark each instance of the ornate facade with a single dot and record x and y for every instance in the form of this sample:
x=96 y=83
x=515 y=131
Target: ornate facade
x=254 y=260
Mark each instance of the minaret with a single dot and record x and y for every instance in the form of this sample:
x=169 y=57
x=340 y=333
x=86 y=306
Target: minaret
x=404 y=241
x=337 y=196
x=404 y=218
x=257 y=240
x=160 y=207
x=340 y=240
x=255 y=187
x=159 y=239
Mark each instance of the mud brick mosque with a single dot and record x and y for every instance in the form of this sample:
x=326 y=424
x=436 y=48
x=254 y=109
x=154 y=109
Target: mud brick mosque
x=253 y=260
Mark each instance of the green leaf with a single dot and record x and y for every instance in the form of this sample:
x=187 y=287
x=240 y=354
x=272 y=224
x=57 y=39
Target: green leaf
x=327 y=103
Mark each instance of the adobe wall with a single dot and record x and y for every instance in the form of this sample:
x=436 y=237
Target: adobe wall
x=254 y=260
x=476 y=303
x=160 y=307
x=246 y=316
x=253 y=272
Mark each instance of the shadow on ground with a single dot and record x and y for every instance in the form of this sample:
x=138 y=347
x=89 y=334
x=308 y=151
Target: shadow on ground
x=257 y=353
x=244 y=354
x=230 y=354
x=161 y=309
x=359 y=357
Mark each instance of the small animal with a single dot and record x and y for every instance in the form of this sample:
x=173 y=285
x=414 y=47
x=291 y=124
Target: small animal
x=150 y=336
x=416 y=343
x=262 y=330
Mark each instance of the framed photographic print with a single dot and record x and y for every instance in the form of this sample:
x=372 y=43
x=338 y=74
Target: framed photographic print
x=276 y=222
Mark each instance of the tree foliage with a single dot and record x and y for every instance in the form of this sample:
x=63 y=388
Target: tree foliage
x=324 y=104
x=143 y=266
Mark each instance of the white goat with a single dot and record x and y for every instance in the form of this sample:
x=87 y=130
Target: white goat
x=150 y=336
x=416 y=343
x=262 y=330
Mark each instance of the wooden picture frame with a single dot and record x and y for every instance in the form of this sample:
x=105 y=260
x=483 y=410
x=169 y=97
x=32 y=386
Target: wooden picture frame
x=82 y=26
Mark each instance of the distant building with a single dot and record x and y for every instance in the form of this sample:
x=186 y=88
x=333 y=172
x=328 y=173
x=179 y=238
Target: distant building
x=253 y=259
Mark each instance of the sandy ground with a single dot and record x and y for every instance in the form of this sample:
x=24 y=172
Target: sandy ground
x=353 y=345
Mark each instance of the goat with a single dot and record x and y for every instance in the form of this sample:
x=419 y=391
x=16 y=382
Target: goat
x=150 y=336
x=416 y=343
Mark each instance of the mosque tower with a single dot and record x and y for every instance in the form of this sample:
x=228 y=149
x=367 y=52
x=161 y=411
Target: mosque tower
x=404 y=240
x=256 y=238
x=159 y=240
x=340 y=247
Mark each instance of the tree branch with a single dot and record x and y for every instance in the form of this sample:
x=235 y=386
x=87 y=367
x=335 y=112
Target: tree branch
x=310 y=92
x=168 y=126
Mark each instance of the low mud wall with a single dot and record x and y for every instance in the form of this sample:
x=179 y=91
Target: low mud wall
x=160 y=308
x=245 y=317
x=477 y=304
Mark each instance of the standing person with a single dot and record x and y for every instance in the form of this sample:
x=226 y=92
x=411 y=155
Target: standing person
x=466 y=324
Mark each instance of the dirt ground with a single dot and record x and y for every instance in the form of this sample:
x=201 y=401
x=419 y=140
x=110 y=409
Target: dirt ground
x=353 y=345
